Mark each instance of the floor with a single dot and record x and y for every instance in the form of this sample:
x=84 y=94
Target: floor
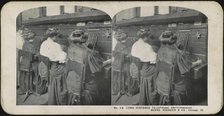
x=32 y=99
x=124 y=100
x=197 y=96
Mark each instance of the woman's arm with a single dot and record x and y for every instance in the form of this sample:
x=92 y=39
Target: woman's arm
x=107 y=62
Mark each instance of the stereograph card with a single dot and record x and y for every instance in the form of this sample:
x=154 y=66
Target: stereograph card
x=161 y=57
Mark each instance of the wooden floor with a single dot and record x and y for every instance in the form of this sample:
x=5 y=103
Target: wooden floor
x=197 y=96
x=32 y=99
x=124 y=100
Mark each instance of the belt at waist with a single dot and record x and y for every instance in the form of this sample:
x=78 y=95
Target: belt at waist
x=56 y=62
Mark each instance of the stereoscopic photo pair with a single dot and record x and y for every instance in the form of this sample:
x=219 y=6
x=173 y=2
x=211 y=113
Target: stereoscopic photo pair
x=73 y=55
x=144 y=56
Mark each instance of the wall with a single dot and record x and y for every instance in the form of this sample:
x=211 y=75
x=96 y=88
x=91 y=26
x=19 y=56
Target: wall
x=96 y=29
x=127 y=14
x=52 y=11
x=30 y=14
x=104 y=42
x=141 y=12
x=196 y=47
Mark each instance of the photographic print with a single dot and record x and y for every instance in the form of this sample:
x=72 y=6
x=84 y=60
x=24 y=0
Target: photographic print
x=160 y=56
x=62 y=56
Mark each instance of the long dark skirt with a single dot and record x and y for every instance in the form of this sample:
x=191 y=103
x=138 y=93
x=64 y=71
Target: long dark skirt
x=147 y=94
x=119 y=83
x=176 y=98
x=90 y=93
x=35 y=72
x=115 y=81
x=88 y=97
x=133 y=86
x=23 y=81
x=57 y=89
x=74 y=86
x=163 y=87
x=81 y=94
x=176 y=95
x=180 y=93
x=24 y=78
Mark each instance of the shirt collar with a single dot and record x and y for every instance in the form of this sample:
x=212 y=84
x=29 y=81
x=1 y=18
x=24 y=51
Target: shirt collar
x=49 y=39
x=141 y=40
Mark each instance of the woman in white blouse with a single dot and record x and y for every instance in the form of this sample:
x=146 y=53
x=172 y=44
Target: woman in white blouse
x=50 y=48
x=145 y=59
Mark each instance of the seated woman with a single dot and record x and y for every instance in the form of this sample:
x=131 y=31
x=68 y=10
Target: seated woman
x=121 y=64
x=83 y=65
x=26 y=59
x=145 y=61
x=172 y=66
x=52 y=48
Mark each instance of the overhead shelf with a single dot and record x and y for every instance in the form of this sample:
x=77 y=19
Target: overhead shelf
x=69 y=18
x=186 y=16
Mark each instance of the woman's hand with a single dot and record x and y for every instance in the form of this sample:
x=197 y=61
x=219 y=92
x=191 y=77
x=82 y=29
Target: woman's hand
x=197 y=62
x=109 y=61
